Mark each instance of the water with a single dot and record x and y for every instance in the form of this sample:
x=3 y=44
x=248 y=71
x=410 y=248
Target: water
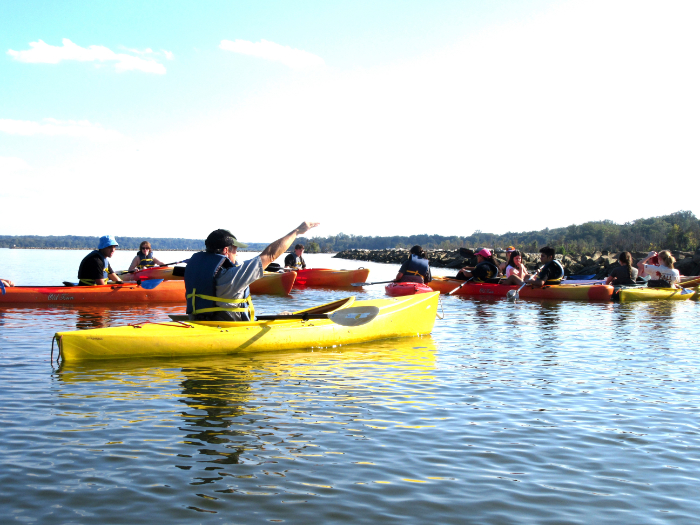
x=535 y=412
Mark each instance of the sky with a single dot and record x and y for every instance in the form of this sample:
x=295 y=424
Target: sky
x=170 y=119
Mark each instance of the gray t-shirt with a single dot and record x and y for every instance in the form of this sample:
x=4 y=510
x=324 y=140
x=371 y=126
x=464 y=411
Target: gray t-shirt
x=231 y=283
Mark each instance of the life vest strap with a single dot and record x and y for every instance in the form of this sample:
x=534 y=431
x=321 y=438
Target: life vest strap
x=248 y=301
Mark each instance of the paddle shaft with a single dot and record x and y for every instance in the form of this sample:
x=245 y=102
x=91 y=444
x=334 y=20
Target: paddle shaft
x=516 y=295
x=368 y=284
x=159 y=266
x=453 y=291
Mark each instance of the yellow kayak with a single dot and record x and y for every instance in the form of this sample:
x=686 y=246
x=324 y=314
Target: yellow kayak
x=655 y=294
x=341 y=322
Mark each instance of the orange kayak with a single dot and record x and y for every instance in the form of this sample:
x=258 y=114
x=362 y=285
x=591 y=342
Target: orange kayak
x=165 y=292
x=274 y=283
x=594 y=292
x=331 y=278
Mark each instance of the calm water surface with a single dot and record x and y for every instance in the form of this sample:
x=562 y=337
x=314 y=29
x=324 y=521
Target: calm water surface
x=538 y=412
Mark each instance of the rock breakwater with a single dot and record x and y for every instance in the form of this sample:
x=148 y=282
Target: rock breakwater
x=599 y=264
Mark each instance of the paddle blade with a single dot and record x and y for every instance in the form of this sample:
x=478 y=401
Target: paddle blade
x=512 y=295
x=150 y=284
x=2 y=287
x=354 y=316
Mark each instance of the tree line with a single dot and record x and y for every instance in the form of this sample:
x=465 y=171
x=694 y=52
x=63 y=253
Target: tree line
x=77 y=242
x=677 y=231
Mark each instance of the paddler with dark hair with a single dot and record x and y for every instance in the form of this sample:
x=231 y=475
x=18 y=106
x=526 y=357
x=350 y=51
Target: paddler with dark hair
x=485 y=268
x=551 y=273
x=94 y=268
x=216 y=285
x=415 y=269
x=144 y=258
x=295 y=261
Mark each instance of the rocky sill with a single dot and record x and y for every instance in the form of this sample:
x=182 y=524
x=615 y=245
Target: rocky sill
x=599 y=264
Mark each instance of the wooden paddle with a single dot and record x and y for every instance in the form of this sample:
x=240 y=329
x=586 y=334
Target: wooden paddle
x=353 y=316
x=690 y=283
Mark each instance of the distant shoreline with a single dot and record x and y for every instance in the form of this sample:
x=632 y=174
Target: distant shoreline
x=93 y=248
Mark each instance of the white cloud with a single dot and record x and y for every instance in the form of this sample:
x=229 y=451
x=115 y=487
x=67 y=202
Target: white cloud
x=53 y=128
x=586 y=112
x=293 y=58
x=10 y=165
x=41 y=52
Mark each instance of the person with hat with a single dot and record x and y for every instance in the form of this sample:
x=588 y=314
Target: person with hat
x=95 y=268
x=502 y=267
x=486 y=268
x=217 y=285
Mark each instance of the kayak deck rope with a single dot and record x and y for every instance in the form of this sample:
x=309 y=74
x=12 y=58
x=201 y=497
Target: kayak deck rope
x=58 y=356
x=172 y=324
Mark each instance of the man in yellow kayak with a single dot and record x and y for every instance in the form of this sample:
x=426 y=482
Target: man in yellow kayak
x=94 y=268
x=295 y=261
x=216 y=285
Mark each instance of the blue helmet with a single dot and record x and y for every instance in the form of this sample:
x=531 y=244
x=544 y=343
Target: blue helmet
x=107 y=241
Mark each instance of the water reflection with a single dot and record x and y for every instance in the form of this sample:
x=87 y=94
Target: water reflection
x=248 y=409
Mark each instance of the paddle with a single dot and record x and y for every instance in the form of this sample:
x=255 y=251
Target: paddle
x=353 y=316
x=2 y=287
x=150 y=284
x=514 y=295
x=368 y=284
x=159 y=266
x=690 y=283
x=453 y=291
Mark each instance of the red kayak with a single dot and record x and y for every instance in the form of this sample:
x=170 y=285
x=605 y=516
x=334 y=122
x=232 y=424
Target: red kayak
x=399 y=289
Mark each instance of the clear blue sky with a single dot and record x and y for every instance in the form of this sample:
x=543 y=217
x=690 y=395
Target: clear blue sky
x=172 y=118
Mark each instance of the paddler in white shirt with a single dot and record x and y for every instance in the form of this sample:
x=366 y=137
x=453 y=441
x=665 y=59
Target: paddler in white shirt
x=661 y=271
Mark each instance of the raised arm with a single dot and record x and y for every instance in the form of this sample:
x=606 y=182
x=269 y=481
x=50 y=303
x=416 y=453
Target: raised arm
x=277 y=248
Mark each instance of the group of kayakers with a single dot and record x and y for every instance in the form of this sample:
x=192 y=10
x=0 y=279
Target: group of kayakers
x=216 y=284
x=657 y=266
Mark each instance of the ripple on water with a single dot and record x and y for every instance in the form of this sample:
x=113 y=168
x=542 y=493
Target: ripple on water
x=534 y=412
